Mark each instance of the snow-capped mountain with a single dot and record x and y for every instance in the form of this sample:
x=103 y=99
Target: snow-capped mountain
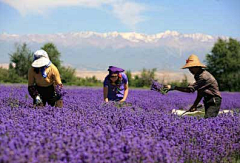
x=95 y=51
x=132 y=37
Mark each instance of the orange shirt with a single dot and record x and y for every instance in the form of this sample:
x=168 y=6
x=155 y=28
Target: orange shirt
x=53 y=77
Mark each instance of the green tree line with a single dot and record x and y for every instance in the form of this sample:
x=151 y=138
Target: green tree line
x=22 y=58
x=224 y=64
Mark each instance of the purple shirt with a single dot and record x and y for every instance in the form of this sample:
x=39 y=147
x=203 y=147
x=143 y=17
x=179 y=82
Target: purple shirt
x=116 y=92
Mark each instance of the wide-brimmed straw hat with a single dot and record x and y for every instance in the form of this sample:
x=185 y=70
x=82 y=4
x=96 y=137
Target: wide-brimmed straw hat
x=113 y=70
x=40 y=59
x=193 y=61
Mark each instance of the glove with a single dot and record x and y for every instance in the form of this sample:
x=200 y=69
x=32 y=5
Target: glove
x=192 y=109
x=195 y=108
x=32 y=91
x=38 y=100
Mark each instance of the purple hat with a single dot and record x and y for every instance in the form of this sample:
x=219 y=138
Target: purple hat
x=113 y=70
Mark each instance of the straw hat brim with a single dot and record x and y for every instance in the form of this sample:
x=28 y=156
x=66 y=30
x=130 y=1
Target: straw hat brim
x=188 y=65
x=40 y=62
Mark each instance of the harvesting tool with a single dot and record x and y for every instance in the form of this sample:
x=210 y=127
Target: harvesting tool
x=189 y=110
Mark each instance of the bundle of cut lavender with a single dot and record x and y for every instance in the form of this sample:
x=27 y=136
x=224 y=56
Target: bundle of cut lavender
x=156 y=86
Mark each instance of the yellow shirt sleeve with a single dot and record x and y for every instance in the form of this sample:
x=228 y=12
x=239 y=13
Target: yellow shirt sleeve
x=56 y=73
x=30 y=77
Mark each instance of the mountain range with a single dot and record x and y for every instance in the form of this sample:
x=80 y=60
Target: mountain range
x=132 y=51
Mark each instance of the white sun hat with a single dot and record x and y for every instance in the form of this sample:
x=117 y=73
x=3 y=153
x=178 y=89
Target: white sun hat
x=40 y=59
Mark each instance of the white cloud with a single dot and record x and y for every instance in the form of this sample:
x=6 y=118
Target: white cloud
x=129 y=13
x=39 y=6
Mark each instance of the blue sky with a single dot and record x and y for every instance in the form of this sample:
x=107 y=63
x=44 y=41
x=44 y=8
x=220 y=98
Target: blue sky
x=213 y=17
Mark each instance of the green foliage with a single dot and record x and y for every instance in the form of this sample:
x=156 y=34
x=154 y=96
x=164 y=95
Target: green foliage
x=88 y=81
x=183 y=83
x=67 y=74
x=142 y=80
x=129 y=76
x=53 y=54
x=22 y=58
x=145 y=78
x=10 y=76
x=224 y=63
x=3 y=74
x=13 y=77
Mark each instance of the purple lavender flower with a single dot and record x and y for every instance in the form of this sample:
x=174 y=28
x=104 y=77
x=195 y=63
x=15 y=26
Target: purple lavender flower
x=60 y=90
x=156 y=86
x=86 y=131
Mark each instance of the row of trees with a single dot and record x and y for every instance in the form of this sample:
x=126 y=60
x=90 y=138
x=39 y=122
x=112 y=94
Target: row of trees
x=223 y=63
x=22 y=58
x=146 y=76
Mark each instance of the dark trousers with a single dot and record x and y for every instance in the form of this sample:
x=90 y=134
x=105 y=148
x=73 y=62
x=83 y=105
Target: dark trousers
x=48 y=95
x=212 y=106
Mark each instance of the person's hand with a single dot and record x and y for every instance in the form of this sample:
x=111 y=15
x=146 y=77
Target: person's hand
x=59 y=104
x=38 y=101
x=168 y=88
x=106 y=100
x=193 y=109
x=122 y=100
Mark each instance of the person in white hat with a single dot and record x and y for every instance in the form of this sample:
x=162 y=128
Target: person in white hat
x=44 y=82
x=206 y=86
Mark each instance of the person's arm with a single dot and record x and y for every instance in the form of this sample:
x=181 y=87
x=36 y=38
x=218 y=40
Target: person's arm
x=125 y=81
x=57 y=78
x=30 y=77
x=105 y=89
x=200 y=84
x=184 y=89
x=196 y=102
x=31 y=88
x=181 y=89
x=58 y=87
x=105 y=94
x=125 y=92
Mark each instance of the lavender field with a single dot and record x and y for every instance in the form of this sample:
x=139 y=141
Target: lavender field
x=87 y=130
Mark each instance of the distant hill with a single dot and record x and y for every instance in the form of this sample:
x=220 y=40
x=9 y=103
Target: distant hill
x=96 y=51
